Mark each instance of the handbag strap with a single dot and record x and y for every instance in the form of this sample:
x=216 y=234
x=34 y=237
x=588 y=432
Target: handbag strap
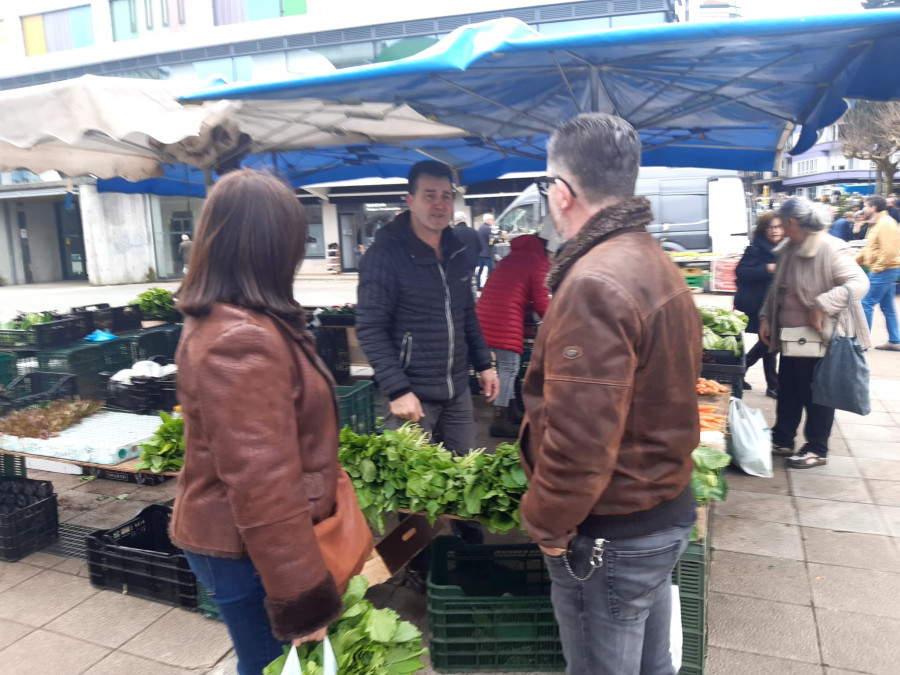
x=847 y=313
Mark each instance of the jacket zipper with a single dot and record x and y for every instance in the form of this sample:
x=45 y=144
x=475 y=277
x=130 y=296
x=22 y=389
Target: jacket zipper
x=450 y=340
x=406 y=350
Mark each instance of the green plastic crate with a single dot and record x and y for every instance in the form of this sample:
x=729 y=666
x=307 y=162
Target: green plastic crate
x=146 y=344
x=691 y=575
x=693 y=653
x=489 y=609
x=85 y=361
x=695 y=281
x=116 y=354
x=11 y=465
x=357 y=407
x=7 y=368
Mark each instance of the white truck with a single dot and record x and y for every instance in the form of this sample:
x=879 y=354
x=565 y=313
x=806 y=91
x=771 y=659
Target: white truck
x=699 y=210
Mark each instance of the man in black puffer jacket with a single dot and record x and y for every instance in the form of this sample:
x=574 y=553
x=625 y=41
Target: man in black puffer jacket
x=416 y=318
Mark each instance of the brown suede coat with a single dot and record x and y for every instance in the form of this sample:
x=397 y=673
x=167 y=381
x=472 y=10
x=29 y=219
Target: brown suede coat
x=610 y=396
x=261 y=458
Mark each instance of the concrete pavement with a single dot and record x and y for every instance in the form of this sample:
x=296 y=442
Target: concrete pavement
x=805 y=575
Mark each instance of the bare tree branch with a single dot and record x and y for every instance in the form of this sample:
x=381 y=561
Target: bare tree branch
x=871 y=131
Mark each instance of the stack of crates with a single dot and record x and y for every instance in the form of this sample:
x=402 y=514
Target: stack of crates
x=85 y=361
x=7 y=368
x=691 y=575
x=357 y=407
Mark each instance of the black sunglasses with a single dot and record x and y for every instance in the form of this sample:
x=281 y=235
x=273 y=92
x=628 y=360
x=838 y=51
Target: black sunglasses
x=543 y=184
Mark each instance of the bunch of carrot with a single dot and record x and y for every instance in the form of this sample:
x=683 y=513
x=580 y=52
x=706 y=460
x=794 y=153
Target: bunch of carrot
x=709 y=387
x=709 y=420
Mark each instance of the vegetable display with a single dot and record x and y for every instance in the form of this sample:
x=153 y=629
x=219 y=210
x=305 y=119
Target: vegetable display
x=348 y=308
x=48 y=421
x=165 y=450
x=157 y=303
x=366 y=641
x=709 y=387
x=709 y=420
x=402 y=470
x=721 y=328
x=708 y=479
x=27 y=321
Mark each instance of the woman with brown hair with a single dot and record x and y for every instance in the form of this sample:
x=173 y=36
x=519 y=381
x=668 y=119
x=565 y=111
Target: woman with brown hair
x=261 y=427
x=754 y=276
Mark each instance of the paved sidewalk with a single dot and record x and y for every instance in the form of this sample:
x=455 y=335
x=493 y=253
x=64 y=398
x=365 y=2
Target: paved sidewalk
x=805 y=569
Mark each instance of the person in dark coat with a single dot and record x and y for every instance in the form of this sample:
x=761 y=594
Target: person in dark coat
x=754 y=276
x=841 y=227
x=486 y=254
x=515 y=289
x=416 y=319
x=469 y=238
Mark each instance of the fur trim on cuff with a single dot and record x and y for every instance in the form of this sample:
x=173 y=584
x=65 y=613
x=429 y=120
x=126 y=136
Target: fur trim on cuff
x=305 y=614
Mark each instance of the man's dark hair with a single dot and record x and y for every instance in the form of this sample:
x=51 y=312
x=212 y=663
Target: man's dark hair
x=248 y=245
x=878 y=202
x=601 y=152
x=429 y=168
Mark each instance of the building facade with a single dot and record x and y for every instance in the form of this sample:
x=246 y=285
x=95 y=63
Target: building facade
x=53 y=228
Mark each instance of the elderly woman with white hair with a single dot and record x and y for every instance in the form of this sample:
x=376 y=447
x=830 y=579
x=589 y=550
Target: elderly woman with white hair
x=815 y=279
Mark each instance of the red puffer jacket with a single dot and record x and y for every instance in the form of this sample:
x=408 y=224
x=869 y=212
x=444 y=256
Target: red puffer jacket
x=515 y=286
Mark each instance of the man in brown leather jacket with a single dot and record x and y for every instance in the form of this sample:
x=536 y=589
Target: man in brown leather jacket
x=611 y=409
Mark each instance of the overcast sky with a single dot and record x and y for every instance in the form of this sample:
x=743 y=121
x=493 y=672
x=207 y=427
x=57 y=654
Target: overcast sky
x=760 y=9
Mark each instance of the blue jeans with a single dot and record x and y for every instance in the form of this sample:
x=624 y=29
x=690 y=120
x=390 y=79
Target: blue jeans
x=234 y=586
x=484 y=263
x=618 y=621
x=882 y=293
x=508 y=363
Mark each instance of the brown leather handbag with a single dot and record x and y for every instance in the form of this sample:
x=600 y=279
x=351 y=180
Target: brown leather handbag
x=344 y=537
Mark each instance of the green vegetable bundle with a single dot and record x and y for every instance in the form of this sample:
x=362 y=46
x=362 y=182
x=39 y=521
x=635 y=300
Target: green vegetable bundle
x=157 y=303
x=28 y=321
x=348 y=308
x=165 y=450
x=402 y=470
x=721 y=343
x=723 y=321
x=366 y=641
x=707 y=479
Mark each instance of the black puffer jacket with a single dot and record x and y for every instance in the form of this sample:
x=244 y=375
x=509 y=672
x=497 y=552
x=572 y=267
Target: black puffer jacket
x=753 y=280
x=415 y=316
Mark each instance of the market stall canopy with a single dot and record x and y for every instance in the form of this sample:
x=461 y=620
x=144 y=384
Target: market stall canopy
x=719 y=95
x=124 y=127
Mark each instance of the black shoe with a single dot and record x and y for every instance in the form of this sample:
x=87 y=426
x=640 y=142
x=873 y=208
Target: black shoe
x=772 y=393
x=502 y=426
x=747 y=386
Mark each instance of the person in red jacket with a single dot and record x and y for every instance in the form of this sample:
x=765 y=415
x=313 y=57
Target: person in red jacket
x=515 y=287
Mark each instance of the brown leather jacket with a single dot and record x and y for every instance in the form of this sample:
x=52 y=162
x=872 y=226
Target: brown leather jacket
x=610 y=396
x=261 y=458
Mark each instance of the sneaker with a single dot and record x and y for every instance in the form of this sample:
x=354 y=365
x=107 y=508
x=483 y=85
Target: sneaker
x=890 y=346
x=782 y=451
x=772 y=393
x=806 y=460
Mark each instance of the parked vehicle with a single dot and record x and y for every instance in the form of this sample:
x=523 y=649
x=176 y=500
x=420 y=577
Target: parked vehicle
x=702 y=210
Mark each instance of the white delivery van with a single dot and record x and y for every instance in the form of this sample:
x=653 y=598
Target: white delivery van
x=702 y=210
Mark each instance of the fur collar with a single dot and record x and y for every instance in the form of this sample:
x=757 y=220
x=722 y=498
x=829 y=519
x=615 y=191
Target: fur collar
x=632 y=215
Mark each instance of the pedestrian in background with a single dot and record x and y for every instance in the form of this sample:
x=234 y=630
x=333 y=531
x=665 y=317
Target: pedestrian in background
x=814 y=277
x=881 y=255
x=754 y=275
x=260 y=428
x=486 y=254
x=515 y=289
x=184 y=252
x=469 y=238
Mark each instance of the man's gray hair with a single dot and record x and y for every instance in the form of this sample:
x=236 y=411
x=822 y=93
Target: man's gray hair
x=601 y=152
x=811 y=217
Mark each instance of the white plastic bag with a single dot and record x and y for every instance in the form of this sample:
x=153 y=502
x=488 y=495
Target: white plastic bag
x=329 y=663
x=751 y=440
x=676 y=637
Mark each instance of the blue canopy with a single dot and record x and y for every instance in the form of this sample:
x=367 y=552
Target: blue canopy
x=719 y=95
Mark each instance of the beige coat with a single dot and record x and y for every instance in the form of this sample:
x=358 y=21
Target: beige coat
x=825 y=267
x=882 y=249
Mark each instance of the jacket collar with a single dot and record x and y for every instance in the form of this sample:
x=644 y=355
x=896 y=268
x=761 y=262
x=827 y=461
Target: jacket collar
x=631 y=215
x=808 y=248
x=401 y=228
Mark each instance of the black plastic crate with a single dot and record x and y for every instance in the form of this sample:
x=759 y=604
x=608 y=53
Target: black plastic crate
x=127 y=318
x=138 y=558
x=57 y=333
x=725 y=374
x=489 y=609
x=35 y=388
x=95 y=317
x=142 y=394
x=333 y=346
x=35 y=521
x=12 y=465
x=135 y=478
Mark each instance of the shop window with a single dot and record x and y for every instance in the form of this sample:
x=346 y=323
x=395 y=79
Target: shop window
x=315 y=241
x=238 y=11
x=58 y=31
x=135 y=18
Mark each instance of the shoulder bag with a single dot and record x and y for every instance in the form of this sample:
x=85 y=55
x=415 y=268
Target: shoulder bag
x=803 y=342
x=841 y=378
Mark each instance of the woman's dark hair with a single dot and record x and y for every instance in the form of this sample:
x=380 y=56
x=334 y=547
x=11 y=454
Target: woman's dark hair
x=249 y=243
x=763 y=222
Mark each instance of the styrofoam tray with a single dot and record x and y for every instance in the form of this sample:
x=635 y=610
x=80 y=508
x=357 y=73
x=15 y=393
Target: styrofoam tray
x=103 y=438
